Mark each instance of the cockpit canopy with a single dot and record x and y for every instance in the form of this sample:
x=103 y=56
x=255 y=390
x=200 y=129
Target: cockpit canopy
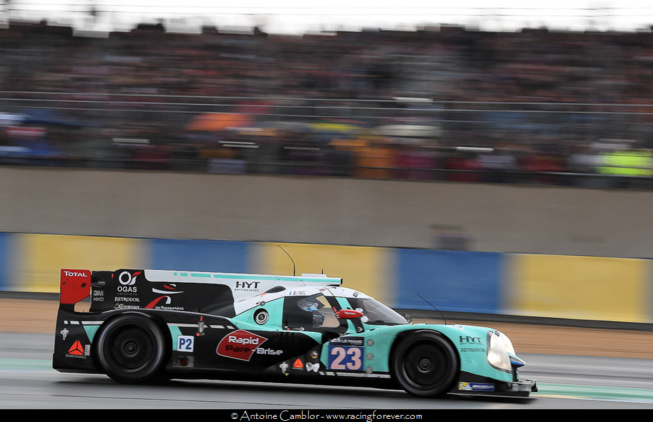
x=315 y=308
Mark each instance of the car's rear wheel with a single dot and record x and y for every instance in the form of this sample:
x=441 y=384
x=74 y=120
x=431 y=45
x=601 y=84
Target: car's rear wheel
x=425 y=365
x=131 y=349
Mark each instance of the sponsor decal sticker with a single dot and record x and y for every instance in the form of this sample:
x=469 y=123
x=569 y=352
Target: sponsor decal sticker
x=76 y=274
x=77 y=350
x=240 y=345
x=470 y=340
x=475 y=386
x=348 y=341
x=185 y=343
x=127 y=282
x=268 y=351
x=471 y=344
x=247 y=286
x=165 y=299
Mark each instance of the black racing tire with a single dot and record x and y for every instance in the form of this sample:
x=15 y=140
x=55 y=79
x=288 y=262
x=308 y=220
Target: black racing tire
x=131 y=349
x=425 y=364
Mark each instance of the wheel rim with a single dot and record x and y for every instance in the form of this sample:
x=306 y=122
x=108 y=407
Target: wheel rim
x=425 y=367
x=131 y=349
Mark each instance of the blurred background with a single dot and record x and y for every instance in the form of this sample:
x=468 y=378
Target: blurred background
x=87 y=85
x=421 y=148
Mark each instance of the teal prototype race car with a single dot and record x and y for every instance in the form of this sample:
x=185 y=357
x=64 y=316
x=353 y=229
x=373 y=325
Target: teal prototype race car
x=153 y=325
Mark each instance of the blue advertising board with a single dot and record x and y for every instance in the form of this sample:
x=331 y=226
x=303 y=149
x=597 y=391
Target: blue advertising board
x=198 y=255
x=453 y=281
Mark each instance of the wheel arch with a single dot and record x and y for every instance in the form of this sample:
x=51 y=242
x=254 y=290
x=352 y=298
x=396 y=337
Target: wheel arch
x=405 y=334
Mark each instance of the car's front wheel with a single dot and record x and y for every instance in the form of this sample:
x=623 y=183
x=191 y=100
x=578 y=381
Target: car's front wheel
x=131 y=349
x=425 y=365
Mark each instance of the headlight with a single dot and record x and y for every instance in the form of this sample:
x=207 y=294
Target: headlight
x=499 y=350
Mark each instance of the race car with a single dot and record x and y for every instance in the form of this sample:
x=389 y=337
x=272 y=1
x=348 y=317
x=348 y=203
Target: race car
x=143 y=326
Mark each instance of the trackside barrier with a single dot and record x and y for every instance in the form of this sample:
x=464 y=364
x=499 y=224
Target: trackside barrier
x=554 y=286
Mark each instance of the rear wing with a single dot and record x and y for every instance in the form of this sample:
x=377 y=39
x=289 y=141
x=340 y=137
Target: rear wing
x=75 y=286
x=173 y=290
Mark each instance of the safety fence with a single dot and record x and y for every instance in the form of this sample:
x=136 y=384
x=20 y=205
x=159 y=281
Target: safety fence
x=572 y=144
x=570 y=287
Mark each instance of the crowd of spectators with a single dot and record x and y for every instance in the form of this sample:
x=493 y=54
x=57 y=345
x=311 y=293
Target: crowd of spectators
x=533 y=106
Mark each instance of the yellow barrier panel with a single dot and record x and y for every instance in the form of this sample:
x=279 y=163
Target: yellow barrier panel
x=592 y=288
x=366 y=269
x=41 y=258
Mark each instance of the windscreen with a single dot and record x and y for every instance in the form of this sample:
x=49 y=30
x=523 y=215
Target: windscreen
x=375 y=312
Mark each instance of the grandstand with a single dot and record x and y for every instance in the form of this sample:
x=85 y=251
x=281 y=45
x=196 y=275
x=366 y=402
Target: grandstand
x=531 y=107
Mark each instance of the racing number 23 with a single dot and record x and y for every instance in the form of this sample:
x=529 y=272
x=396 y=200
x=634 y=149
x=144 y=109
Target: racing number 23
x=345 y=358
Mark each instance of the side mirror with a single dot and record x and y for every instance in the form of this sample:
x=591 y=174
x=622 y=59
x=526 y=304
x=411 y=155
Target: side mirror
x=348 y=314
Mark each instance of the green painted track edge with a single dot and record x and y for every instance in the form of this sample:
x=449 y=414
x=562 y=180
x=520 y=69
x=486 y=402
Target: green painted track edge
x=594 y=392
x=25 y=364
